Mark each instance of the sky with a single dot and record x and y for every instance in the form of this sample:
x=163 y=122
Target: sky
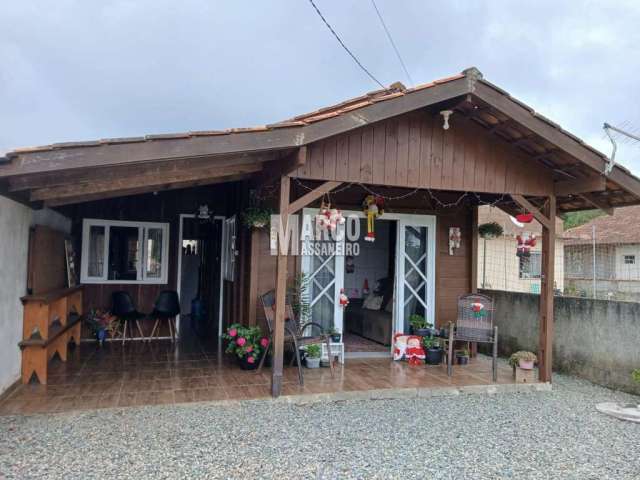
x=80 y=70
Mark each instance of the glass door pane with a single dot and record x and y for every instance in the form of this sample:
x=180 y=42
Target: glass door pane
x=415 y=273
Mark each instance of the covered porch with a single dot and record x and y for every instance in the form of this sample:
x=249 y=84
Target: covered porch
x=139 y=374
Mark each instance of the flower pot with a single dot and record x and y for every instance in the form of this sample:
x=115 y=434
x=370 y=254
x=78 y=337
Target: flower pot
x=433 y=356
x=245 y=364
x=422 y=332
x=462 y=359
x=525 y=365
x=335 y=338
x=101 y=335
x=312 y=362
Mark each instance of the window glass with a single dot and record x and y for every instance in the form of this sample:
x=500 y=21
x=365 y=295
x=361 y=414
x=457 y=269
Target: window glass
x=629 y=259
x=153 y=261
x=96 y=251
x=530 y=267
x=124 y=253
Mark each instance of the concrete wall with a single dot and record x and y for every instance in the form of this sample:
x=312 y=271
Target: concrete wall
x=15 y=220
x=595 y=339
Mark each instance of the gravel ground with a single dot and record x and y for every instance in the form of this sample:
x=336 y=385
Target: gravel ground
x=535 y=435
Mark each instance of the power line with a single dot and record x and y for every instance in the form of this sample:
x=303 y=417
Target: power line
x=393 y=44
x=355 y=59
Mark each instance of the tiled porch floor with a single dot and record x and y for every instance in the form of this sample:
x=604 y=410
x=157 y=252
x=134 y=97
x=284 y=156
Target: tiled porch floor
x=162 y=373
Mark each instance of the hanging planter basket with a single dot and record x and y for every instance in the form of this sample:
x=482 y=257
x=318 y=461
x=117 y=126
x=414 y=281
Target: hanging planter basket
x=490 y=230
x=256 y=217
x=524 y=217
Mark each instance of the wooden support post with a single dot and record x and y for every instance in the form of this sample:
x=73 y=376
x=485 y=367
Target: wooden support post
x=254 y=263
x=474 y=264
x=474 y=250
x=281 y=290
x=546 y=291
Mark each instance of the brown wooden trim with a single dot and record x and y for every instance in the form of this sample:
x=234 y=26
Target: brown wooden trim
x=546 y=312
x=256 y=141
x=597 y=203
x=281 y=290
x=582 y=185
x=539 y=216
x=274 y=170
x=311 y=196
x=138 y=191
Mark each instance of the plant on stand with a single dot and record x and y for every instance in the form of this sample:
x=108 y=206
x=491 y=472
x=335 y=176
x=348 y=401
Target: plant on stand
x=247 y=344
x=312 y=358
x=462 y=356
x=523 y=359
x=420 y=325
x=334 y=334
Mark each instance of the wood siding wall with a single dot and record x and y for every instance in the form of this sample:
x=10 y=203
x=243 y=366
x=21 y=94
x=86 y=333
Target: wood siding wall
x=415 y=151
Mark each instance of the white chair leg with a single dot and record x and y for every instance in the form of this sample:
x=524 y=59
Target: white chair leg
x=124 y=332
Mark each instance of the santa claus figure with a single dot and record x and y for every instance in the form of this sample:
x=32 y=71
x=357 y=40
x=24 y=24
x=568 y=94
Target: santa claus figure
x=414 y=352
x=525 y=243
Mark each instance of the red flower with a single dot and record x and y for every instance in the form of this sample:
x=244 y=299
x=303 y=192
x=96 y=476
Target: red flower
x=241 y=341
x=233 y=332
x=251 y=360
x=264 y=341
x=249 y=349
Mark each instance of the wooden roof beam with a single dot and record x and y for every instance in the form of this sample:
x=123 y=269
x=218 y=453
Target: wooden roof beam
x=582 y=185
x=150 y=181
x=597 y=203
x=530 y=207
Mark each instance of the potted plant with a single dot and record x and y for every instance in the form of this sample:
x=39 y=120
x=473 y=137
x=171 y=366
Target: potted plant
x=312 y=358
x=523 y=359
x=256 y=217
x=636 y=375
x=462 y=356
x=420 y=326
x=334 y=334
x=247 y=344
x=433 y=351
x=490 y=230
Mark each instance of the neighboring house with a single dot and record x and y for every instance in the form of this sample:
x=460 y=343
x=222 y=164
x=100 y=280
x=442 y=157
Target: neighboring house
x=132 y=201
x=499 y=268
x=616 y=256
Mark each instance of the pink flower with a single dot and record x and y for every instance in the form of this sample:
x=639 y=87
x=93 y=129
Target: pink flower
x=251 y=360
x=264 y=341
x=241 y=341
x=233 y=332
x=249 y=349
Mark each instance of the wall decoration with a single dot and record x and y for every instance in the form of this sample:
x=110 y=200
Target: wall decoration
x=373 y=207
x=328 y=218
x=349 y=266
x=72 y=271
x=455 y=237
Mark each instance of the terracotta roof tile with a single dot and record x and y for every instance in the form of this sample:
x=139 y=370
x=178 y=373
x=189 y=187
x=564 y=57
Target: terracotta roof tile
x=621 y=227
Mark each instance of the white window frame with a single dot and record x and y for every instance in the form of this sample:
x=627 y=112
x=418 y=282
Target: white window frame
x=143 y=228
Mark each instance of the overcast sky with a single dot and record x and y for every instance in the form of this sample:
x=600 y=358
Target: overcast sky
x=79 y=70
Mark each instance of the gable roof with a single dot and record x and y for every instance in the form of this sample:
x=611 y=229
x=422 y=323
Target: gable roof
x=467 y=93
x=621 y=227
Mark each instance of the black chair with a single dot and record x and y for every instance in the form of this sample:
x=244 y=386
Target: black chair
x=124 y=308
x=167 y=306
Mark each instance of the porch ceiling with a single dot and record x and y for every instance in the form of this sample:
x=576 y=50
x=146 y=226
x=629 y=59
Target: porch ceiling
x=74 y=172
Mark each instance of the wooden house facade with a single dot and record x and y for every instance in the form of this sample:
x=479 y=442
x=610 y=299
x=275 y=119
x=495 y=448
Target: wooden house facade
x=434 y=152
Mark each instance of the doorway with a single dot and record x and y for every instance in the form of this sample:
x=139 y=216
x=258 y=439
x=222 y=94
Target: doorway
x=200 y=284
x=402 y=271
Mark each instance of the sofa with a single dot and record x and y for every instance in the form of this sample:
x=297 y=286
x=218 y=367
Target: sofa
x=373 y=325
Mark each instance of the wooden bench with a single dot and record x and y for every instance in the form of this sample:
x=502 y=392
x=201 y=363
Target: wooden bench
x=50 y=322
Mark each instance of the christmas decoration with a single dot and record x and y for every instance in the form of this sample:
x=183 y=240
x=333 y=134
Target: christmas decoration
x=414 y=352
x=344 y=300
x=365 y=287
x=328 y=218
x=525 y=243
x=455 y=236
x=478 y=310
x=373 y=207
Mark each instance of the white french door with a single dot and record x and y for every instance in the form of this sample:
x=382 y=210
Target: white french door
x=324 y=271
x=415 y=270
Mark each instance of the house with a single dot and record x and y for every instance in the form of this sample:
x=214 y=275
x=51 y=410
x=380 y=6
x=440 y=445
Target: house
x=616 y=256
x=500 y=268
x=139 y=207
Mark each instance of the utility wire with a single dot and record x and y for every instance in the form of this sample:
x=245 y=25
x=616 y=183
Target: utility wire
x=393 y=44
x=355 y=59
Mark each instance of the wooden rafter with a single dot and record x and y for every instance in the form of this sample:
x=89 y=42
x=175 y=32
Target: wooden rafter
x=582 y=185
x=530 y=207
x=311 y=196
x=147 y=181
x=597 y=203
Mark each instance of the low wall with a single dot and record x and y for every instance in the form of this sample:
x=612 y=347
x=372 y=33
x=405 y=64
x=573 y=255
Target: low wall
x=595 y=339
x=15 y=220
